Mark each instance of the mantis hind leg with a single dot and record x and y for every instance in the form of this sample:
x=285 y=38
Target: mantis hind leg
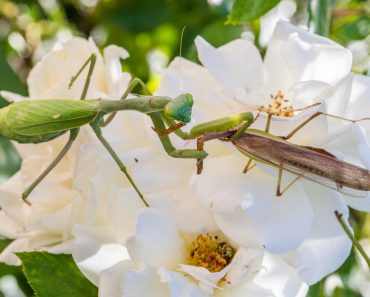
x=58 y=158
x=118 y=161
x=73 y=133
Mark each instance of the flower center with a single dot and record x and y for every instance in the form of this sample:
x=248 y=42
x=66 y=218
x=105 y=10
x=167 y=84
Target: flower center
x=278 y=106
x=210 y=252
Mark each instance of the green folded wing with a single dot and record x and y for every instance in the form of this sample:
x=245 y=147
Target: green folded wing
x=37 y=117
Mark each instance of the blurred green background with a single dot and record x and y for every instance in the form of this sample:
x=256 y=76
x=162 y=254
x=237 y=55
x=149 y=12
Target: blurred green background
x=150 y=30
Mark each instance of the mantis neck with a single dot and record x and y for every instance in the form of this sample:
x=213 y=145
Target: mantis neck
x=148 y=104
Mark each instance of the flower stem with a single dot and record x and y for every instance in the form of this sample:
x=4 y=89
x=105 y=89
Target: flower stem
x=355 y=242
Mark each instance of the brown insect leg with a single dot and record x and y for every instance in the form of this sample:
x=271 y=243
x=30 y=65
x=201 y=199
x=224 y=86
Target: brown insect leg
x=170 y=129
x=278 y=192
x=200 y=147
x=248 y=167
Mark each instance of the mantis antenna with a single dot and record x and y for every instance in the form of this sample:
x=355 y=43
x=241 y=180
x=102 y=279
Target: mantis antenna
x=181 y=39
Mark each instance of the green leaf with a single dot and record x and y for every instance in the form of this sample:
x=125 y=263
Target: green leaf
x=55 y=275
x=245 y=11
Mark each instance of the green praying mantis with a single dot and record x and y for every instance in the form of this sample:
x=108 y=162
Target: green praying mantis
x=38 y=121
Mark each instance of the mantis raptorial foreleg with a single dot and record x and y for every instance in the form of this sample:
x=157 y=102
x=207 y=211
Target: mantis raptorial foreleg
x=131 y=86
x=159 y=126
x=73 y=133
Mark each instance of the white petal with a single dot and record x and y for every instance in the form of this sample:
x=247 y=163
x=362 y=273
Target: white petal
x=157 y=241
x=295 y=55
x=122 y=209
x=289 y=220
x=235 y=64
x=245 y=262
x=116 y=79
x=13 y=97
x=221 y=187
x=327 y=246
x=245 y=289
x=281 y=278
x=111 y=278
x=180 y=285
x=95 y=250
x=8 y=256
x=145 y=282
x=183 y=76
x=189 y=214
x=283 y=11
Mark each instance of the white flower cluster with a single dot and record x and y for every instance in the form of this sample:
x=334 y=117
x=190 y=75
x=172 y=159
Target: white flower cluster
x=219 y=233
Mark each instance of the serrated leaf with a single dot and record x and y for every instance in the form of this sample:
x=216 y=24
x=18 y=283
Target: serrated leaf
x=245 y=11
x=55 y=275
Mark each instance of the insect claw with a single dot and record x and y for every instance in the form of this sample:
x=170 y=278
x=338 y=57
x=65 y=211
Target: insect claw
x=24 y=198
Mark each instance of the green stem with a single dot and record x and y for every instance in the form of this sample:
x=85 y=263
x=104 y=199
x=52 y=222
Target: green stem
x=323 y=14
x=352 y=237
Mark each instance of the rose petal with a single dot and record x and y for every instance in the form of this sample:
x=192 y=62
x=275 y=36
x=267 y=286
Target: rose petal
x=157 y=241
x=327 y=246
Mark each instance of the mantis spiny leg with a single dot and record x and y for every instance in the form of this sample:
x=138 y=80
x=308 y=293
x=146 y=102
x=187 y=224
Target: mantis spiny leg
x=118 y=161
x=73 y=132
x=160 y=126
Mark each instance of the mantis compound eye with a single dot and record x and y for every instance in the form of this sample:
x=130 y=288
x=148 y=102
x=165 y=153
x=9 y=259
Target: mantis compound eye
x=180 y=108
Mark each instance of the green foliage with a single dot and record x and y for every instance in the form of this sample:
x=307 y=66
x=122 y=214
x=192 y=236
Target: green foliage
x=248 y=10
x=55 y=275
x=357 y=29
x=9 y=159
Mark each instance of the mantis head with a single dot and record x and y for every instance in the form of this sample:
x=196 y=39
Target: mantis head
x=180 y=108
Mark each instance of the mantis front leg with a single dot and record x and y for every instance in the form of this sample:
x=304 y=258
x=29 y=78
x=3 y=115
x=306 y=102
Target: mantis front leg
x=159 y=125
x=131 y=86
